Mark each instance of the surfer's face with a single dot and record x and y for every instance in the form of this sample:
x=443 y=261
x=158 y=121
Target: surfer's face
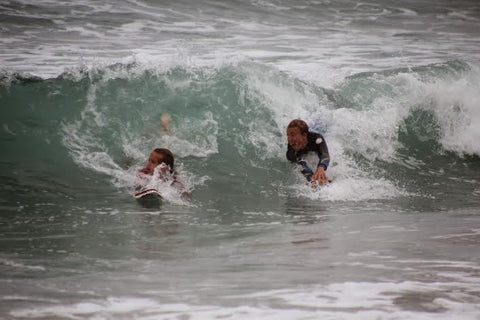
x=153 y=161
x=296 y=139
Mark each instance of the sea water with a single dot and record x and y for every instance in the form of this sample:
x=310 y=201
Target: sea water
x=393 y=86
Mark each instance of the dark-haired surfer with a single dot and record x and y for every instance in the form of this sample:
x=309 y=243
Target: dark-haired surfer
x=163 y=158
x=302 y=142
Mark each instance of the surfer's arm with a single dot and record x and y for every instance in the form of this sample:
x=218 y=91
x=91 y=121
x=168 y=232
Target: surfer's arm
x=322 y=152
x=180 y=187
x=320 y=176
x=323 y=155
x=305 y=170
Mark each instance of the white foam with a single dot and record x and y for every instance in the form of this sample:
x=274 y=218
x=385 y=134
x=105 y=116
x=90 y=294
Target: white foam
x=454 y=103
x=458 y=114
x=408 y=12
x=20 y=265
x=350 y=189
x=101 y=309
x=473 y=232
x=332 y=40
x=348 y=300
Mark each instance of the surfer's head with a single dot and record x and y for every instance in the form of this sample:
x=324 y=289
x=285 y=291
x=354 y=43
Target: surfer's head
x=297 y=134
x=159 y=156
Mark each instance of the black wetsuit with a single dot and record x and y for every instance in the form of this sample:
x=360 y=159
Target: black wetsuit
x=316 y=143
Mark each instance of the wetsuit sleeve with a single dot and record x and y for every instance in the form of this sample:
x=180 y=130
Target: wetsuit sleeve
x=292 y=157
x=306 y=171
x=323 y=155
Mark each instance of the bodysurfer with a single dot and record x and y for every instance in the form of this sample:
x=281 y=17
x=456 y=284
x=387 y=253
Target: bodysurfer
x=301 y=143
x=164 y=160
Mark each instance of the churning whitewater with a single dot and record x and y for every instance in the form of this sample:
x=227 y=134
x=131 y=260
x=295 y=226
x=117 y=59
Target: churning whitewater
x=393 y=87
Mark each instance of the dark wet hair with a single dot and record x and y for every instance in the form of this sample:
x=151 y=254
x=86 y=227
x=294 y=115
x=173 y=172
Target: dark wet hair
x=167 y=157
x=300 y=124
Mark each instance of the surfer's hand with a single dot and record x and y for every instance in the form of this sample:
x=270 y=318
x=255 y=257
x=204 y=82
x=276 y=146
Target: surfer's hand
x=165 y=121
x=319 y=177
x=187 y=196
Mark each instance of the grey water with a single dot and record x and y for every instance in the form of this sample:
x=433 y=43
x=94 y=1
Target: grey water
x=392 y=86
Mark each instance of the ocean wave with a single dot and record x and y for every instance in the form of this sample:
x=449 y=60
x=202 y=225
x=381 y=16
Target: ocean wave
x=232 y=118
